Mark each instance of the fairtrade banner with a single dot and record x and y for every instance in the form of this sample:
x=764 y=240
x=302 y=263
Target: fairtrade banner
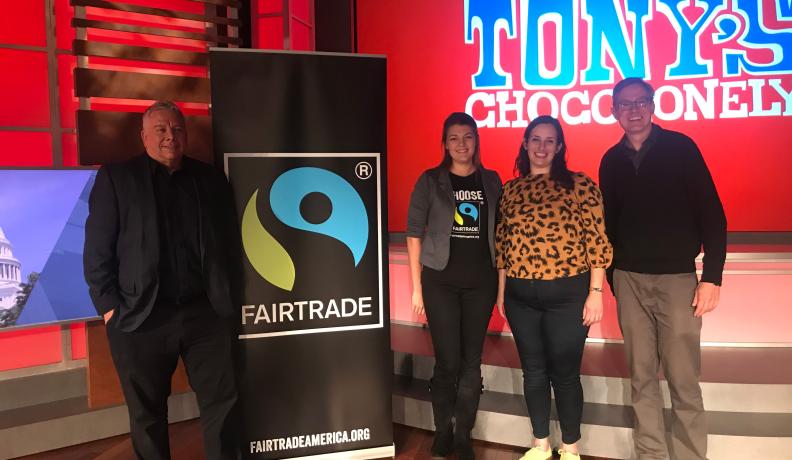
x=314 y=346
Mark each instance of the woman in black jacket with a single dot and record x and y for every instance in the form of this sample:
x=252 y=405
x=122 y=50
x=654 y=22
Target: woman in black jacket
x=451 y=252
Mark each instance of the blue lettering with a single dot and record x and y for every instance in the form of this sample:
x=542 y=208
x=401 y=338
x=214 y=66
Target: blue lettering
x=755 y=35
x=607 y=25
x=489 y=17
x=563 y=13
x=689 y=62
x=784 y=10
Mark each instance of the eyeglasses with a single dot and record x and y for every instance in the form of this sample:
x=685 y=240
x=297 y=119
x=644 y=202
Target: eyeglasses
x=640 y=104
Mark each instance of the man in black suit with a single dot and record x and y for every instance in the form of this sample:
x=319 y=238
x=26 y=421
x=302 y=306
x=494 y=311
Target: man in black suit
x=159 y=252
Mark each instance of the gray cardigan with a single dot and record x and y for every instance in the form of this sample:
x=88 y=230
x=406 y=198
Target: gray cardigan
x=431 y=213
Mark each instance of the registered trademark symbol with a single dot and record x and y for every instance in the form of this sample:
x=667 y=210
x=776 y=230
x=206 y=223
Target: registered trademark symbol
x=363 y=170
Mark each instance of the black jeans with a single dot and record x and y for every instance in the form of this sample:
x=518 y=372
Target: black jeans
x=146 y=359
x=546 y=318
x=458 y=319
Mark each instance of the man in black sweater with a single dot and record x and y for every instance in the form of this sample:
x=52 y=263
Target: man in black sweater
x=661 y=207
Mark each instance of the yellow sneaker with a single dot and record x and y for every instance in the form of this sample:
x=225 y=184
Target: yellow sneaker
x=535 y=453
x=568 y=455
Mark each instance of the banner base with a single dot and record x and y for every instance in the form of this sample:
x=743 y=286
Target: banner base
x=361 y=454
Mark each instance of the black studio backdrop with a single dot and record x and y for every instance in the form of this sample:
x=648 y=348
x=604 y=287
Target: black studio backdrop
x=302 y=137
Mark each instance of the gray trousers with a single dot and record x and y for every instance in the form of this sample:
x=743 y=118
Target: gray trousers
x=659 y=328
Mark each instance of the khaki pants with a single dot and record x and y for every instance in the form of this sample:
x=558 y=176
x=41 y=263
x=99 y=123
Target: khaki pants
x=659 y=328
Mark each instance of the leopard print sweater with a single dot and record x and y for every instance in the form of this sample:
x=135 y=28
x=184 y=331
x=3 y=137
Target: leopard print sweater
x=546 y=231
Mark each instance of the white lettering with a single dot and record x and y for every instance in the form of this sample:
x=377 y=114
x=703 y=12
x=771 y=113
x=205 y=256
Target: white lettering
x=316 y=309
x=309 y=440
x=502 y=97
x=775 y=83
x=585 y=114
x=705 y=105
x=469 y=195
x=596 y=105
x=246 y=311
x=290 y=312
x=757 y=111
x=487 y=100
x=676 y=108
x=364 y=306
x=729 y=99
x=332 y=309
x=301 y=305
x=286 y=310
x=739 y=99
x=262 y=315
x=347 y=312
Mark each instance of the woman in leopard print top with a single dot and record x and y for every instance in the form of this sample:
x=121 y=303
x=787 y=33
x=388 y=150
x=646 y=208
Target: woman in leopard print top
x=551 y=254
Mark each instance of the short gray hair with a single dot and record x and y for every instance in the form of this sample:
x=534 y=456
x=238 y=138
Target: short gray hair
x=164 y=105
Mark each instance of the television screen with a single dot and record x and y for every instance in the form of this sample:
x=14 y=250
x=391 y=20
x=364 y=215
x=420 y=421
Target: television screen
x=42 y=230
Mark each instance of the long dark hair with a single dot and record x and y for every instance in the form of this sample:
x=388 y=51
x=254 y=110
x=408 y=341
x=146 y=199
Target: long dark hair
x=558 y=168
x=460 y=118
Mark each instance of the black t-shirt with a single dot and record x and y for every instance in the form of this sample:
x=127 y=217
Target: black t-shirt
x=469 y=260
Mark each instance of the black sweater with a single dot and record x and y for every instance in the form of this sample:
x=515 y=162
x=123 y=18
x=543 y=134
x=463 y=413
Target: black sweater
x=659 y=216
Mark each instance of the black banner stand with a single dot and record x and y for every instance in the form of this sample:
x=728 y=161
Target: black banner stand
x=302 y=137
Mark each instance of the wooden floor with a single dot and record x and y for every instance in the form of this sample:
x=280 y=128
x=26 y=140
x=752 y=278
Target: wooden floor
x=411 y=444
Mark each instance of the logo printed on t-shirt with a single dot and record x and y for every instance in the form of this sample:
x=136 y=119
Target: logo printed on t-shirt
x=467 y=213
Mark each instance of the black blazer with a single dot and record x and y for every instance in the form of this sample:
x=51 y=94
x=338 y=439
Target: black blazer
x=121 y=254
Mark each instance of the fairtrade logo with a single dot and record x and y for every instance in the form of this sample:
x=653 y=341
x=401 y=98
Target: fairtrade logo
x=347 y=223
x=466 y=209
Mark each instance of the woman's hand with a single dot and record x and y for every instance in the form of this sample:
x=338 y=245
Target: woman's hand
x=499 y=304
x=592 y=309
x=417 y=302
x=413 y=259
x=499 y=299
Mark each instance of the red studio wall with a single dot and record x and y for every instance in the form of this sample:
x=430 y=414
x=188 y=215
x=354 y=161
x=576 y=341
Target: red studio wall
x=31 y=137
x=723 y=76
